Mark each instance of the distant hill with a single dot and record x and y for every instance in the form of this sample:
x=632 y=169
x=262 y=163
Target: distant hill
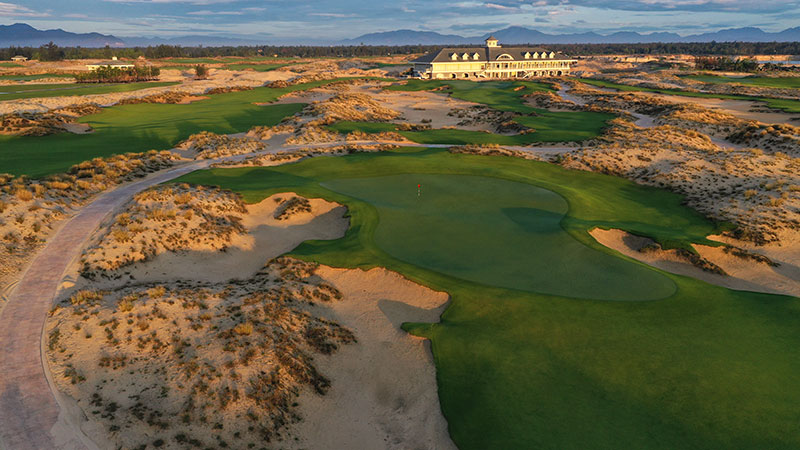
x=522 y=35
x=407 y=37
x=22 y=35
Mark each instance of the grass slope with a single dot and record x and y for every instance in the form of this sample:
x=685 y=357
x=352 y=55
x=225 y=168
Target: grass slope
x=69 y=90
x=704 y=368
x=789 y=106
x=141 y=127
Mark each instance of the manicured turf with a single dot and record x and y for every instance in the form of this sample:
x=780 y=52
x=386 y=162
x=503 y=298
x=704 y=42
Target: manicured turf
x=141 y=127
x=705 y=367
x=789 y=106
x=502 y=223
x=68 y=90
x=9 y=64
x=783 y=82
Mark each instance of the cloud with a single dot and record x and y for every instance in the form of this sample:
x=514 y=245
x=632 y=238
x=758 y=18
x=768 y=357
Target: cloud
x=14 y=10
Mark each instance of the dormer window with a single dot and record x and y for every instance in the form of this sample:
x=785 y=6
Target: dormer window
x=552 y=55
x=454 y=56
x=505 y=56
x=465 y=56
x=527 y=55
x=476 y=56
x=535 y=55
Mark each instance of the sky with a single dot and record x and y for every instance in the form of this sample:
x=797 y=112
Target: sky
x=283 y=21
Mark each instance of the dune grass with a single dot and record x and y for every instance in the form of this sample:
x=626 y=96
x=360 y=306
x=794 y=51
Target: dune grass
x=789 y=106
x=142 y=127
x=782 y=82
x=255 y=67
x=550 y=126
x=705 y=367
x=69 y=90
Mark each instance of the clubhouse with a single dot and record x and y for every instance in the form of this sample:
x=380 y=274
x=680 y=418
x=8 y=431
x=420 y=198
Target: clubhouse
x=491 y=61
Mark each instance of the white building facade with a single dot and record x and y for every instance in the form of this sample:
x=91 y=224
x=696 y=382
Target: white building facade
x=492 y=62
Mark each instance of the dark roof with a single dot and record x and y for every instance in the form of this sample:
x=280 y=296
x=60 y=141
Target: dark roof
x=491 y=38
x=488 y=54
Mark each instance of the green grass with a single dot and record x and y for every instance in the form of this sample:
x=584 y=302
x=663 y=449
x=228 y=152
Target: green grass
x=34 y=77
x=141 y=127
x=222 y=60
x=10 y=64
x=705 y=367
x=69 y=90
x=789 y=106
x=783 y=82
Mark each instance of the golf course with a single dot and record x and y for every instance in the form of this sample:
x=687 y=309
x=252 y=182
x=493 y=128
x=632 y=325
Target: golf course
x=141 y=127
x=547 y=126
x=548 y=332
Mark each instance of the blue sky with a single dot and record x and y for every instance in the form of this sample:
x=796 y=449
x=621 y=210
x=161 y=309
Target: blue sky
x=309 y=20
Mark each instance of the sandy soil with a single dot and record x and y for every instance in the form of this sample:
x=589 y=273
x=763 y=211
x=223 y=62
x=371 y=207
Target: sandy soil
x=384 y=392
x=742 y=273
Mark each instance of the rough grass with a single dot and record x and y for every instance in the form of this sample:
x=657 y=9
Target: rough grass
x=789 y=106
x=69 y=90
x=704 y=368
x=549 y=126
x=140 y=127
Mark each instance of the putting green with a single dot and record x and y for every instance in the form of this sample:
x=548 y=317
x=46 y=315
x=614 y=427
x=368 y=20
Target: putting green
x=495 y=232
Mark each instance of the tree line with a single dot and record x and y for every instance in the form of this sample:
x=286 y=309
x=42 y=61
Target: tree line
x=52 y=52
x=109 y=74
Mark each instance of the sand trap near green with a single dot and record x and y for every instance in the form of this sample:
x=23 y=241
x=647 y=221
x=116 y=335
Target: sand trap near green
x=498 y=233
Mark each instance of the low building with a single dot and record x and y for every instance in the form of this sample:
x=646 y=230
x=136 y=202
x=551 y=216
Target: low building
x=492 y=61
x=114 y=63
x=19 y=58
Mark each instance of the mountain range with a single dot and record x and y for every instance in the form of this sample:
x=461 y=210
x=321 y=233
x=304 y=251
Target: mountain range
x=21 y=34
x=522 y=35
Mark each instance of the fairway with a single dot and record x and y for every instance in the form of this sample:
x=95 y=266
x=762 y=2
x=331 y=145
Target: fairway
x=145 y=126
x=705 y=367
x=13 y=92
x=486 y=229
